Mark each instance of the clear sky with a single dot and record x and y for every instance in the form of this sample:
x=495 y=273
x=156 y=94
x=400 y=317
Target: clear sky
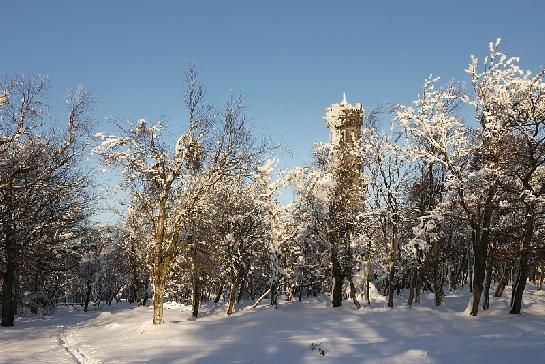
x=290 y=59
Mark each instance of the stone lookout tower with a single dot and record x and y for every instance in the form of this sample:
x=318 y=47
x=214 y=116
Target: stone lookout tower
x=345 y=121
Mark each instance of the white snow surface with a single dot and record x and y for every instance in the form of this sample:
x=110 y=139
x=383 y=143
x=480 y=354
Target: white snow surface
x=422 y=334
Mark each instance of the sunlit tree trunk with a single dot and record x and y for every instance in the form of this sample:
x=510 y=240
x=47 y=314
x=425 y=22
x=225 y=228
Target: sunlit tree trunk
x=160 y=263
x=158 y=292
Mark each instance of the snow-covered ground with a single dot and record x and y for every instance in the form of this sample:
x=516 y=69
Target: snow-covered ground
x=423 y=334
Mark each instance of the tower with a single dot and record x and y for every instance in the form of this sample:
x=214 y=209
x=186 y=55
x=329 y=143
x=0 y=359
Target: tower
x=345 y=121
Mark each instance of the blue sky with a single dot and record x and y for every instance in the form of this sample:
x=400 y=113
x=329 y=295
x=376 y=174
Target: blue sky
x=290 y=59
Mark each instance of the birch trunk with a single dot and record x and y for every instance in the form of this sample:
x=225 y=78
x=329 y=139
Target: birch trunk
x=160 y=264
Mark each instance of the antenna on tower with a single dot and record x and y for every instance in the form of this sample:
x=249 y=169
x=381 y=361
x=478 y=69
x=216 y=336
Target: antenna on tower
x=344 y=99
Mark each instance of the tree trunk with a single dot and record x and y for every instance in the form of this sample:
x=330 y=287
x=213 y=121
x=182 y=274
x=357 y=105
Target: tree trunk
x=412 y=284
x=274 y=294
x=138 y=295
x=275 y=278
x=160 y=263
x=391 y=286
x=337 y=277
x=393 y=259
x=137 y=289
x=470 y=263
x=232 y=298
x=479 y=268
x=136 y=283
x=520 y=283
x=337 y=297
x=158 y=293
x=353 y=295
x=487 y=283
x=146 y=294
x=368 y=287
x=87 y=296
x=438 y=283
x=368 y=275
x=480 y=241
x=241 y=289
x=541 y=276
x=196 y=295
x=501 y=286
x=391 y=277
x=289 y=291
x=418 y=287
x=8 y=288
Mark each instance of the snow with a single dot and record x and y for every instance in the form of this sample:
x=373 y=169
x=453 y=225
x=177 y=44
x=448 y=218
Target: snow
x=295 y=333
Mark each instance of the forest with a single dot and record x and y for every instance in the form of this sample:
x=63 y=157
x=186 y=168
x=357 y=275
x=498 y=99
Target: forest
x=442 y=193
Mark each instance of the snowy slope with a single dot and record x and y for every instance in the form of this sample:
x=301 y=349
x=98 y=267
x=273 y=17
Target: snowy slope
x=423 y=334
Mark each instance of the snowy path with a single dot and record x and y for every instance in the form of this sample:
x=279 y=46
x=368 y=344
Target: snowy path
x=423 y=334
x=38 y=340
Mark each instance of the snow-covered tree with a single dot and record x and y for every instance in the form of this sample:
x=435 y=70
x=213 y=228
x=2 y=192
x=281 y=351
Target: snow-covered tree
x=173 y=182
x=42 y=192
x=387 y=178
x=507 y=102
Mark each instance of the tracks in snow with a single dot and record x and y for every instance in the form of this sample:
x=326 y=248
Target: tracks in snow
x=70 y=343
